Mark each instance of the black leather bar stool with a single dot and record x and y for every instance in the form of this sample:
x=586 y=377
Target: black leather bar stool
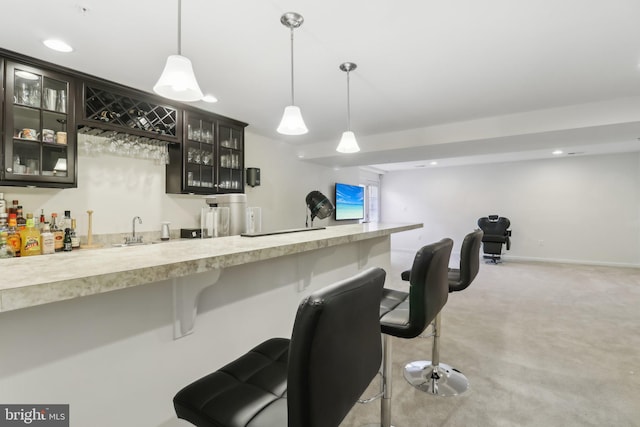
x=432 y=376
x=461 y=278
x=408 y=314
x=311 y=380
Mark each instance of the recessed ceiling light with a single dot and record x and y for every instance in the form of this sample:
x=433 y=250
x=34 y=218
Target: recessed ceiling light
x=57 y=45
x=557 y=152
x=209 y=98
x=433 y=163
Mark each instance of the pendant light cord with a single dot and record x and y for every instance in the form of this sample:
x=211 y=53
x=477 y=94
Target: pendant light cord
x=292 y=98
x=348 y=104
x=180 y=27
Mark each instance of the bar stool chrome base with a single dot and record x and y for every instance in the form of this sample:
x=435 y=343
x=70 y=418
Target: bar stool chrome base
x=441 y=381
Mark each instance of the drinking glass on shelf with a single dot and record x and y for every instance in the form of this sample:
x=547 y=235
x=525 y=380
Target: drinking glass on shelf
x=208 y=137
x=207 y=158
x=62 y=102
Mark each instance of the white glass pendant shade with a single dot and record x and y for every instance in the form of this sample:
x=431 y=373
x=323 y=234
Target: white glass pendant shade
x=348 y=143
x=292 y=122
x=177 y=81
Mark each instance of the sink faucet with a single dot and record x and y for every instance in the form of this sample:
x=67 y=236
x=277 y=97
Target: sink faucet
x=133 y=238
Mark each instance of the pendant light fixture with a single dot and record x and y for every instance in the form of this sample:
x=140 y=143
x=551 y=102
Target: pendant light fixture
x=292 y=122
x=348 y=143
x=177 y=80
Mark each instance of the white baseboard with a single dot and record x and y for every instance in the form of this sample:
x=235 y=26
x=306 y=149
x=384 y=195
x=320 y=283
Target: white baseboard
x=508 y=257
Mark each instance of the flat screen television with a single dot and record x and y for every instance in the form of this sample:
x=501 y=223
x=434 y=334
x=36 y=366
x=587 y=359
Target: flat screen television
x=349 y=201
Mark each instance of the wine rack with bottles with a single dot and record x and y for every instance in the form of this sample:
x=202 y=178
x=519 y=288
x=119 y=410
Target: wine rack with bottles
x=113 y=110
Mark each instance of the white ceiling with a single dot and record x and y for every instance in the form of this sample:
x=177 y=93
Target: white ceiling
x=423 y=65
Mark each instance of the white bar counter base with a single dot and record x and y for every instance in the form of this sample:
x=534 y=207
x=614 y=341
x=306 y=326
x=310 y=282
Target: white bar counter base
x=192 y=264
x=113 y=357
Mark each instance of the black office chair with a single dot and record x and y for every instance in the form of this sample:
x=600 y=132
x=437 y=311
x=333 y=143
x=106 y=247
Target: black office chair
x=451 y=381
x=311 y=380
x=408 y=314
x=496 y=234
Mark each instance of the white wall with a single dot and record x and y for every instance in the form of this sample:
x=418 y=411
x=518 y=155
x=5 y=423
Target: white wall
x=119 y=188
x=578 y=209
x=285 y=182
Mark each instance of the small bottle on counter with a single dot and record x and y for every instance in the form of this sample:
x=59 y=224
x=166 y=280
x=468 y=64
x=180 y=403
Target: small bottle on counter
x=30 y=238
x=67 y=240
x=6 y=251
x=3 y=204
x=66 y=221
x=75 y=240
x=42 y=221
x=47 y=239
x=13 y=208
x=4 y=221
x=58 y=234
x=20 y=219
x=13 y=235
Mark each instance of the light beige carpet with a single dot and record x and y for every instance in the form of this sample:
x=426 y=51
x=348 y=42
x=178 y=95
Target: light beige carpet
x=542 y=344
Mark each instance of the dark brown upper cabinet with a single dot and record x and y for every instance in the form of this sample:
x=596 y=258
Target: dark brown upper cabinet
x=211 y=158
x=39 y=138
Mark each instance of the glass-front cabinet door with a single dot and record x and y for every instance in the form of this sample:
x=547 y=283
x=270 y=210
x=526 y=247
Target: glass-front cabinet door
x=210 y=159
x=39 y=135
x=231 y=158
x=200 y=151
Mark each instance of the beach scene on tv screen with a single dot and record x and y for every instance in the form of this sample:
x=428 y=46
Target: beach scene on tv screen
x=349 y=202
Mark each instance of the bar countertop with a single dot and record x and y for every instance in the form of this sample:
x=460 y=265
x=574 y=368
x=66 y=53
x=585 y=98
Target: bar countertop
x=31 y=281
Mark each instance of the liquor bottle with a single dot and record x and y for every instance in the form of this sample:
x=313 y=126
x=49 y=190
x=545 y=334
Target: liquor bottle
x=75 y=240
x=3 y=204
x=43 y=221
x=48 y=241
x=30 y=238
x=66 y=221
x=58 y=234
x=4 y=221
x=13 y=235
x=20 y=219
x=6 y=251
x=13 y=208
x=67 y=240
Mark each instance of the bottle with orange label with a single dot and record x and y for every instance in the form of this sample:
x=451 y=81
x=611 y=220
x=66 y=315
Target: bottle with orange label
x=31 y=244
x=13 y=235
x=58 y=233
